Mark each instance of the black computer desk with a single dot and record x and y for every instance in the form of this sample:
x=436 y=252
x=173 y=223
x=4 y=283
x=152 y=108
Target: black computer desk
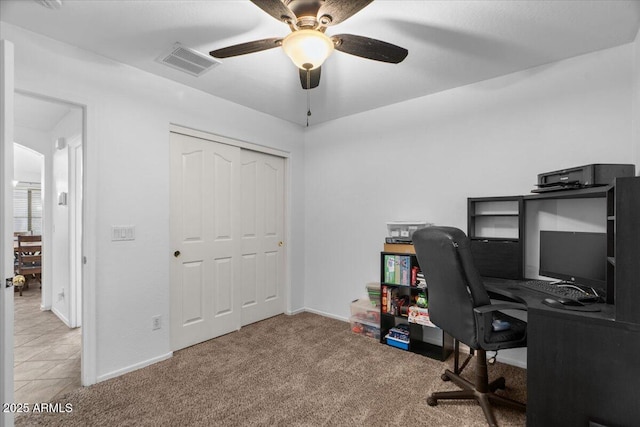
x=582 y=367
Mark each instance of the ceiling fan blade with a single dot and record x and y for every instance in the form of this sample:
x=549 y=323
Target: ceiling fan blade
x=277 y=9
x=244 y=48
x=340 y=10
x=314 y=78
x=366 y=47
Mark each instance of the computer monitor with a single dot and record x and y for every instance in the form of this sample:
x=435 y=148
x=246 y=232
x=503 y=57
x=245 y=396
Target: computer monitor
x=576 y=257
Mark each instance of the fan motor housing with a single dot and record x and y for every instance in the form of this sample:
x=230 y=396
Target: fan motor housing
x=306 y=11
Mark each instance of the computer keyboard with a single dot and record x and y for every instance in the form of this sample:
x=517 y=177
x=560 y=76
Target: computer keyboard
x=564 y=290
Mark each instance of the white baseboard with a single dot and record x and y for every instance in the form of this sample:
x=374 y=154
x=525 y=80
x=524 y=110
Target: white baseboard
x=61 y=316
x=322 y=313
x=294 y=312
x=135 y=367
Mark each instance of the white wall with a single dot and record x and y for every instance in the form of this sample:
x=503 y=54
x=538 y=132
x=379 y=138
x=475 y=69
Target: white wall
x=422 y=158
x=70 y=127
x=127 y=183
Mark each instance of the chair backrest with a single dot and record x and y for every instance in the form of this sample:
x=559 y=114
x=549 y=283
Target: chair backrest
x=29 y=239
x=453 y=283
x=29 y=255
x=30 y=243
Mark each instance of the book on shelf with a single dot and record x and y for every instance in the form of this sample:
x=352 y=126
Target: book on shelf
x=398 y=270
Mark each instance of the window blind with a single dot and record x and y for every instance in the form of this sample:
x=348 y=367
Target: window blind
x=27 y=209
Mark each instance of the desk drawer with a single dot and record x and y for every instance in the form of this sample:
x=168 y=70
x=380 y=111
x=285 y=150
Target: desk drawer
x=498 y=258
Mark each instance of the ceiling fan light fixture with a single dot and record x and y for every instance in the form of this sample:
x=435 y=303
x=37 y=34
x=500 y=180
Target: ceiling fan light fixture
x=308 y=49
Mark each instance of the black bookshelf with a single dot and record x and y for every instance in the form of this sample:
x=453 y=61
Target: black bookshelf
x=429 y=341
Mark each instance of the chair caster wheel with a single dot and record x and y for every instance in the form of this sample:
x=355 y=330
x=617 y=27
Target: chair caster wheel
x=500 y=383
x=445 y=377
x=431 y=401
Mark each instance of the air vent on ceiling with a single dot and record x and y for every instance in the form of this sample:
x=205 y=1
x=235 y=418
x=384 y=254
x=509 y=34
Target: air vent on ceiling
x=187 y=60
x=51 y=4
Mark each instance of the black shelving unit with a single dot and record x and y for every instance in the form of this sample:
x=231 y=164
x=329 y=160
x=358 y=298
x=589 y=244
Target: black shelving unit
x=496 y=231
x=611 y=244
x=623 y=248
x=429 y=341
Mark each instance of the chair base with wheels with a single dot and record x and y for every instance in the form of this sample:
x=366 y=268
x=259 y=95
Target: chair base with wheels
x=482 y=391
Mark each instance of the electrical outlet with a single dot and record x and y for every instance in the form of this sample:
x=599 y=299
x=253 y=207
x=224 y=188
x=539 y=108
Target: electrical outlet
x=156 y=322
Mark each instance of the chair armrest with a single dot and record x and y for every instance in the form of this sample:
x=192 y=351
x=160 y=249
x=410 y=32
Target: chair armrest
x=484 y=309
x=484 y=321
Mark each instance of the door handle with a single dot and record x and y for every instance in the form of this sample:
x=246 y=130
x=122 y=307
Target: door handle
x=176 y=254
x=280 y=243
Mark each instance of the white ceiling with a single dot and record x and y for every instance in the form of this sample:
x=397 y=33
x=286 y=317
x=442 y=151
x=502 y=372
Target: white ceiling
x=450 y=43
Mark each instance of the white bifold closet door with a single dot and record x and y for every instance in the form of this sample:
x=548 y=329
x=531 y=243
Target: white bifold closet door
x=261 y=213
x=227 y=221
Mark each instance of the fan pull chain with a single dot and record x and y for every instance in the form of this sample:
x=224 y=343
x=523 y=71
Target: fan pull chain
x=308 y=95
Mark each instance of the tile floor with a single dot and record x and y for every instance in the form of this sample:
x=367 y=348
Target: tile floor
x=46 y=352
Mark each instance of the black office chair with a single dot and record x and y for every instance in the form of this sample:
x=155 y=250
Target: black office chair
x=460 y=306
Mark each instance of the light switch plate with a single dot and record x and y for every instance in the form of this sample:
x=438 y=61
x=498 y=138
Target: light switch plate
x=123 y=232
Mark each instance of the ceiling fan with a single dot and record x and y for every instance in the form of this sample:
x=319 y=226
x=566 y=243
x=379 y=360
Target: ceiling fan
x=307 y=45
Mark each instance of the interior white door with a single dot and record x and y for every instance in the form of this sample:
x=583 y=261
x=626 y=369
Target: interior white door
x=75 y=233
x=205 y=186
x=6 y=230
x=262 y=219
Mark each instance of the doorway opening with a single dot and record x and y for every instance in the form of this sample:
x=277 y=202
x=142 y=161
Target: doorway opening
x=48 y=320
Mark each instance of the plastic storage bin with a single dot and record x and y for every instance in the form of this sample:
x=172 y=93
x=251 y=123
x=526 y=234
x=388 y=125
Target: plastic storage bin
x=367 y=329
x=365 y=318
x=398 y=343
x=364 y=310
x=403 y=230
x=373 y=289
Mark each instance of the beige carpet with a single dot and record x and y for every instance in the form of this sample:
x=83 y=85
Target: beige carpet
x=302 y=370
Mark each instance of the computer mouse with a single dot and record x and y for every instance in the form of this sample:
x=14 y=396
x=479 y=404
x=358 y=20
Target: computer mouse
x=561 y=302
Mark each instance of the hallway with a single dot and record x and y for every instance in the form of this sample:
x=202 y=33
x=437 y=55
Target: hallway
x=46 y=352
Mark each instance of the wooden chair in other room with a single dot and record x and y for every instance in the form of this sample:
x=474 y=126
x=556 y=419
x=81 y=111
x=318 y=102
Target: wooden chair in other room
x=28 y=258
